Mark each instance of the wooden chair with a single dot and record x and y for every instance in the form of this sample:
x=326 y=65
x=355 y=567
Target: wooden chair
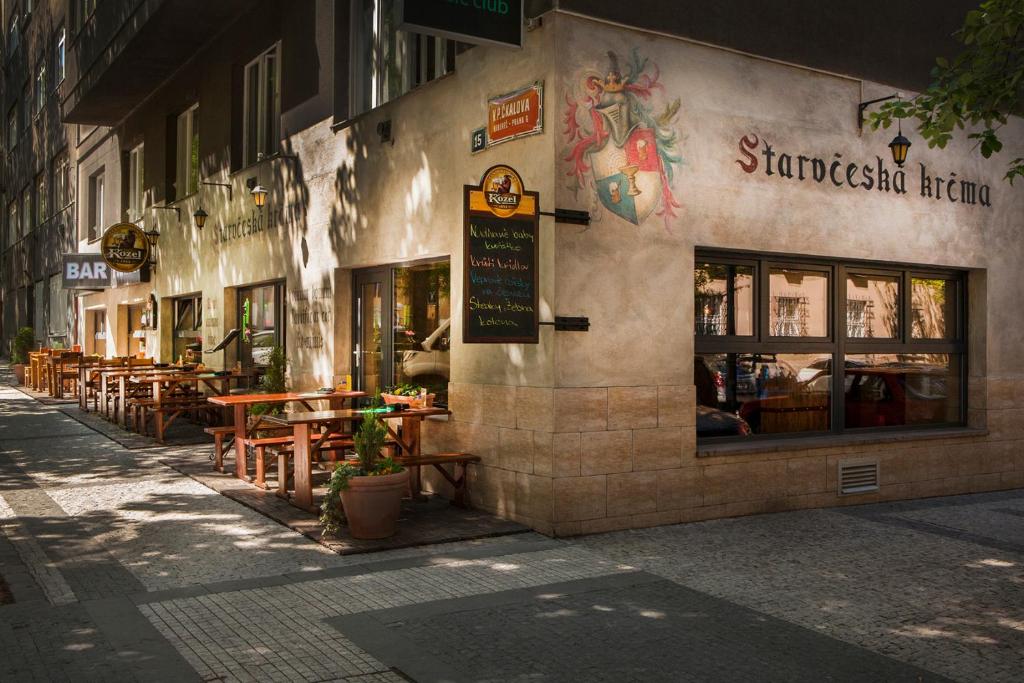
x=67 y=372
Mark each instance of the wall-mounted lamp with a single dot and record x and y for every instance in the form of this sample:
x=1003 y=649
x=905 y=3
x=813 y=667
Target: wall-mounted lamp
x=899 y=145
x=259 y=195
x=200 y=217
x=227 y=185
x=152 y=236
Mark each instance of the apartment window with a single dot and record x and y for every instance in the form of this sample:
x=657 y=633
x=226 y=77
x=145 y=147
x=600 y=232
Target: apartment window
x=386 y=62
x=26 y=210
x=12 y=127
x=186 y=179
x=95 y=208
x=26 y=111
x=42 y=211
x=58 y=308
x=770 y=343
x=13 y=32
x=12 y=223
x=83 y=10
x=39 y=310
x=39 y=96
x=59 y=183
x=135 y=183
x=262 y=129
x=59 y=56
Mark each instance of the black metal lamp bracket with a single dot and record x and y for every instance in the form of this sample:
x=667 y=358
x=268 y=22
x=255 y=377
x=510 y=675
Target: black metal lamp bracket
x=864 y=105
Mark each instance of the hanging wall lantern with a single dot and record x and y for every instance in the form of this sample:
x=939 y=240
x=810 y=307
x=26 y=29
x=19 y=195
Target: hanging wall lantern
x=200 y=218
x=259 y=195
x=899 y=147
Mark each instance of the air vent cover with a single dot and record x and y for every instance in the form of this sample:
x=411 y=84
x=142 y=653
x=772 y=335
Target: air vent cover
x=858 y=476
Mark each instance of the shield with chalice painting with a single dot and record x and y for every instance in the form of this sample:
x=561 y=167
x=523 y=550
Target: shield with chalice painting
x=619 y=145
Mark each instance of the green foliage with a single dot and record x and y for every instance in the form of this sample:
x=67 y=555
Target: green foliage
x=275 y=380
x=982 y=86
x=405 y=390
x=24 y=341
x=369 y=439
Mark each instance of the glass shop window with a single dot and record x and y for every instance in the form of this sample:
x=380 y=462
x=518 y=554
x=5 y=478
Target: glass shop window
x=766 y=346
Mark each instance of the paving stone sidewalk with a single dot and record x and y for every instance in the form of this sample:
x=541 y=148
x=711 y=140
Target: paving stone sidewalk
x=121 y=568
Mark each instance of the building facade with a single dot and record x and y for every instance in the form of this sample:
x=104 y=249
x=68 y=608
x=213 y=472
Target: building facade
x=746 y=240
x=38 y=179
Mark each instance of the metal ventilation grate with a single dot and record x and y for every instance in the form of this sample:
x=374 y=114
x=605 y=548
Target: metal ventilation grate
x=858 y=477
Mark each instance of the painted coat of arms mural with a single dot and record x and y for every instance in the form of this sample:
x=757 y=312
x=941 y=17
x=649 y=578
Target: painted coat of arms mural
x=621 y=148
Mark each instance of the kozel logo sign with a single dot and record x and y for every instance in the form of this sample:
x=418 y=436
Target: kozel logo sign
x=125 y=247
x=503 y=190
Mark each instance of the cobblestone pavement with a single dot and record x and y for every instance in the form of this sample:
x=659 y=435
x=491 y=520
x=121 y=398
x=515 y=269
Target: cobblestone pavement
x=123 y=569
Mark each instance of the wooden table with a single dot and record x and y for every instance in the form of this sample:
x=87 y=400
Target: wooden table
x=239 y=403
x=302 y=424
x=121 y=376
x=164 y=385
x=88 y=372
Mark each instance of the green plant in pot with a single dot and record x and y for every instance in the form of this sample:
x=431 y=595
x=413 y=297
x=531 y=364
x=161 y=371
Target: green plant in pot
x=367 y=493
x=24 y=341
x=273 y=381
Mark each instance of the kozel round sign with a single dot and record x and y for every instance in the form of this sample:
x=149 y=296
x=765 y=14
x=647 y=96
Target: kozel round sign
x=125 y=247
x=503 y=189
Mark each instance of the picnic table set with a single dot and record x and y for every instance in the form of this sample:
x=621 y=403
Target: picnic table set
x=292 y=432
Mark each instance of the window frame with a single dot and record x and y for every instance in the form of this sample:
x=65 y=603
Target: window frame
x=369 y=85
x=183 y=187
x=97 y=189
x=263 y=147
x=135 y=195
x=838 y=345
x=40 y=92
x=39 y=199
x=60 y=56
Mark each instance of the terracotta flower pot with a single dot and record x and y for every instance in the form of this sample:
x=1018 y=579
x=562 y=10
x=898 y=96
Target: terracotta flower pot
x=372 y=504
x=19 y=372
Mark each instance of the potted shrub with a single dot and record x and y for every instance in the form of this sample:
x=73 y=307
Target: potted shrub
x=369 y=491
x=412 y=395
x=23 y=343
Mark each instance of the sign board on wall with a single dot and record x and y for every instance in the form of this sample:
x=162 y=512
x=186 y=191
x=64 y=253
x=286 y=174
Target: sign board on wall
x=84 y=271
x=515 y=114
x=500 y=259
x=480 y=22
x=125 y=247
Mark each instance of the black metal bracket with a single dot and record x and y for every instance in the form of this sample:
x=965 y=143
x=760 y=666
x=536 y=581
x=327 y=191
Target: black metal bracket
x=175 y=209
x=568 y=216
x=227 y=185
x=569 y=324
x=864 y=105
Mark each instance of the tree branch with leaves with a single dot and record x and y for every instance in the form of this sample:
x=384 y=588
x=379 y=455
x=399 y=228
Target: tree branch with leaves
x=982 y=87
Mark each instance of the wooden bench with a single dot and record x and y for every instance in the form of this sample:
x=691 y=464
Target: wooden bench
x=219 y=446
x=438 y=461
x=332 y=444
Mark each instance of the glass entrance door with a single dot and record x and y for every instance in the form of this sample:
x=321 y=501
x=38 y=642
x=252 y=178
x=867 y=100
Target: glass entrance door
x=371 y=353
x=261 y=321
x=401 y=328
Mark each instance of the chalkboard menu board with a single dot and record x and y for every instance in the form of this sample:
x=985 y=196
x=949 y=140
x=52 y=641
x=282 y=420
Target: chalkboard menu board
x=500 y=261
